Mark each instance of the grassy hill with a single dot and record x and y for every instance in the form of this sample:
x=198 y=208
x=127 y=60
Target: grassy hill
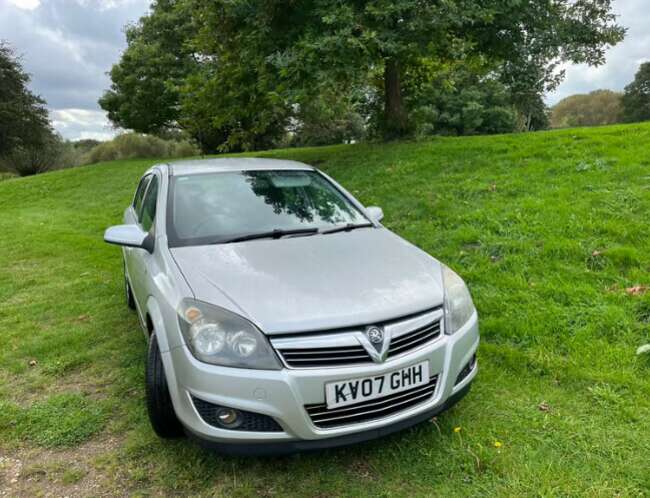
x=549 y=229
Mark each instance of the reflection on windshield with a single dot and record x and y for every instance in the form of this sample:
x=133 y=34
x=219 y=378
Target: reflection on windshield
x=208 y=208
x=306 y=202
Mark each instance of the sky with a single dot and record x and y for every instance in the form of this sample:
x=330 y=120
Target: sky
x=69 y=45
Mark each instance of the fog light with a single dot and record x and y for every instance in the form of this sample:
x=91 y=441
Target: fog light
x=229 y=418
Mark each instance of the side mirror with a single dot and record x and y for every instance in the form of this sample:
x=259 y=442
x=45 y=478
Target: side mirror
x=129 y=236
x=376 y=213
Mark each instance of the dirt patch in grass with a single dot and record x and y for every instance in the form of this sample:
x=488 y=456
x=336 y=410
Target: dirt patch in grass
x=30 y=388
x=86 y=470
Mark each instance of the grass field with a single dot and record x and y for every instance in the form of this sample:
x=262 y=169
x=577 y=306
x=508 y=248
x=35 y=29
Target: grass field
x=551 y=231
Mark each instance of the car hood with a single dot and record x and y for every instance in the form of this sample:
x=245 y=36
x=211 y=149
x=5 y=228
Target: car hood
x=317 y=282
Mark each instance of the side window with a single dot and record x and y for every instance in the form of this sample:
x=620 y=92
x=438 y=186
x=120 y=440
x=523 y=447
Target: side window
x=139 y=194
x=149 y=205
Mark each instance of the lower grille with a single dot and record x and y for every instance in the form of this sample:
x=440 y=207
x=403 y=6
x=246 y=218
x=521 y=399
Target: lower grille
x=373 y=409
x=253 y=422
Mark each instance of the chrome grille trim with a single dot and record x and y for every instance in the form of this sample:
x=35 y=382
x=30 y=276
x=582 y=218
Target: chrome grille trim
x=343 y=348
x=325 y=418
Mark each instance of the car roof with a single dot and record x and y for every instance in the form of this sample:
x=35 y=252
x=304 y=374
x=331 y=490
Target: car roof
x=199 y=166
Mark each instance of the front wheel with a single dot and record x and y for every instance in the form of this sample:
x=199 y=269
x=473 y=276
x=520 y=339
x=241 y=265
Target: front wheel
x=159 y=403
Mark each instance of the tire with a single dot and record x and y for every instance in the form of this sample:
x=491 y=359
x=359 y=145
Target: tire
x=159 y=404
x=128 y=293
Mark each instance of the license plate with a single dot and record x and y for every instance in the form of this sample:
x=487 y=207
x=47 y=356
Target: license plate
x=349 y=392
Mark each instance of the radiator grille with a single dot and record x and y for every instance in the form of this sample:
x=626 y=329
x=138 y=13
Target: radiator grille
x=325 y=418
x=352 y=355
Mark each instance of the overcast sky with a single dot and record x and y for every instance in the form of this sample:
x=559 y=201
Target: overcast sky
x=69 y=45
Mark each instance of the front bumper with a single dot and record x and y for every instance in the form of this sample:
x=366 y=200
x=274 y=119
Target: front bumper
x=283 y=395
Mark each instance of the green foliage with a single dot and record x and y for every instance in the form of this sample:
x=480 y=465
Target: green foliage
x=600 y=107
x=85 y=145
x=548 y=229
x=137 y=145
x=333 y=117
x=636 y=99
x=458 y=99
x=49 y=154
x=228 y=107
x=23 y=116
x=327 y=40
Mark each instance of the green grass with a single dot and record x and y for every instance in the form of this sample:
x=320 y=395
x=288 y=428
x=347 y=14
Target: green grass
x=549 y=230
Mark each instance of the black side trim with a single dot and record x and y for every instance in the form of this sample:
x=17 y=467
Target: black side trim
x=270 y=449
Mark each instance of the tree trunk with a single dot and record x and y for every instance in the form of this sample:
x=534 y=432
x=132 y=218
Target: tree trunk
x=395 y=119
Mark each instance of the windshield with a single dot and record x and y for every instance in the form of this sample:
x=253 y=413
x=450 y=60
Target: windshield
x=218 y=207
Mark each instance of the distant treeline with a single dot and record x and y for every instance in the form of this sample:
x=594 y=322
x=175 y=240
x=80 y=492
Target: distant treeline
x=603 y=107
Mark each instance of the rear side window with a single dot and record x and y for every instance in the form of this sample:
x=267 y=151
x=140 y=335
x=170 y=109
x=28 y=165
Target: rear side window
x=139 y=195
x=149 y=205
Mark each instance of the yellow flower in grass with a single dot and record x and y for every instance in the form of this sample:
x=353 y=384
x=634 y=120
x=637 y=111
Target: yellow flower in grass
x=456 y=429
x=498 y=444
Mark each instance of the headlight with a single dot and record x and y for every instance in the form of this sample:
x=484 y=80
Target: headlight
x=220 y=337
x=459 y=307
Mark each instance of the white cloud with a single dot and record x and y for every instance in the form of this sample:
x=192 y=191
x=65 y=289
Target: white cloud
x=68 y=46
x=76 y=124
x=25 y=4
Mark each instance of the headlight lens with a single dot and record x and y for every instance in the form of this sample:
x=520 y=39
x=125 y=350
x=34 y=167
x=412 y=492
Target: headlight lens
x=220 y=337
x=459 y=307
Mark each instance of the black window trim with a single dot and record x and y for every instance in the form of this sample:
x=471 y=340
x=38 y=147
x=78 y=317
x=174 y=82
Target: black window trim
x=153 y=174
x=146 y=177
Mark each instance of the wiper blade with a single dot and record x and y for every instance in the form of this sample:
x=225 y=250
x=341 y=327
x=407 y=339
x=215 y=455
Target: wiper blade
x=347 y=228
x=272 y=234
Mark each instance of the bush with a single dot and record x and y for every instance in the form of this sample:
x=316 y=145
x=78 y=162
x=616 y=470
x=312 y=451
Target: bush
x=138 y=145
x=27 y=161
x=600 y=107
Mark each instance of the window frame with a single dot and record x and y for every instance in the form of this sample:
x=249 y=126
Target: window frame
x=144 y=184
x=153 y=176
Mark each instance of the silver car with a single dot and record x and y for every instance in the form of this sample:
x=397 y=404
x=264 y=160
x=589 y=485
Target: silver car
x=281 y=315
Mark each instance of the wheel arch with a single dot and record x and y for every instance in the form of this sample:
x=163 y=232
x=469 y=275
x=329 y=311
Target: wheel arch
x=155 y=324
x=154 y=319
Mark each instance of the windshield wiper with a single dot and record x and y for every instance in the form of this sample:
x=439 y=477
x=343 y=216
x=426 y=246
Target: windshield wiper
x=272 y=234
x=347 y=228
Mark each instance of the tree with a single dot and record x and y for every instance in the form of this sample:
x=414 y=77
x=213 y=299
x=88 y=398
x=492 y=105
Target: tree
x=600 y=107
x=145 y=83
x=23 y=116
x=312 y=43
x=636 y=99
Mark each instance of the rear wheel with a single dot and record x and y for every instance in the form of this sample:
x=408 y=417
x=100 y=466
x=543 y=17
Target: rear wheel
x=159 y=404
x=128 y=293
